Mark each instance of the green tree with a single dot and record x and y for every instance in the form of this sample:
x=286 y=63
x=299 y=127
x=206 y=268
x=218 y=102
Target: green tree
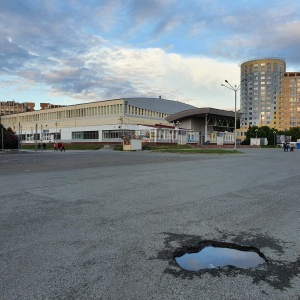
x=10 y=140
x=294 y=132
x=260 y=132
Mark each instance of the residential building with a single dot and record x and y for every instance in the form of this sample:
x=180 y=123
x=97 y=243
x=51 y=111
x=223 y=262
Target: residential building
x=288 y=108
x=261 y=92
x=12 y=107
x=261 y=85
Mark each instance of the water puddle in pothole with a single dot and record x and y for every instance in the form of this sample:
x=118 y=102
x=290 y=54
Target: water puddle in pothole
x=218 y=257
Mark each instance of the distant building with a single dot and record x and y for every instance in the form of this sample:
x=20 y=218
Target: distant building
x=288 y=108
x=12 y=107
x=269 y=95
x=48 y=105
x=260 y=91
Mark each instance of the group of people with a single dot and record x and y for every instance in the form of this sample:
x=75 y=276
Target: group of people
x=59 y=146
x=287 y=147
x=40 y=146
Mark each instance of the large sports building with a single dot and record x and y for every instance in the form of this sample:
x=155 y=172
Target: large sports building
x=101 y=121
x=149 y=119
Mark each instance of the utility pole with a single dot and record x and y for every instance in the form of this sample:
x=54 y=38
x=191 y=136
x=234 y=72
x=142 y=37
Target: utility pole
x=235 y=89
x=121 y=126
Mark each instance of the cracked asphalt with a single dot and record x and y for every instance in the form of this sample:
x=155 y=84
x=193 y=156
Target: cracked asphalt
x=107 y=224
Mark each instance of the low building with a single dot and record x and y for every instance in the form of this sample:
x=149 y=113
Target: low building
x=205 y=125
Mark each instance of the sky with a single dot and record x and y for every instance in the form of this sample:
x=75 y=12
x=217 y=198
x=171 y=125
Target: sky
x=74 y=51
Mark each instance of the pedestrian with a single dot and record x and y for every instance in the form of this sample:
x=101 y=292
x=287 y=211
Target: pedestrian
x=55 y=147
x=284 y=147
x=44 y=146
x=62 y=147
x=39 y=146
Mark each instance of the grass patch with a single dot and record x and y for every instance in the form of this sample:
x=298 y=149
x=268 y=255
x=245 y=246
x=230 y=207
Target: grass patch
x=83 y=146
x=187 y=149
x=154 y=148
x=199 y=151
x=268 y=146
x=118 y=147
x=169 y=147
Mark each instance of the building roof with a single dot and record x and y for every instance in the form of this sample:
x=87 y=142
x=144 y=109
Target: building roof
x=159 y=104
x=201 y=113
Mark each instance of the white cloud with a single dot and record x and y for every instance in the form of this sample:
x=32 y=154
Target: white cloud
x=91 y=51
x=153 y=72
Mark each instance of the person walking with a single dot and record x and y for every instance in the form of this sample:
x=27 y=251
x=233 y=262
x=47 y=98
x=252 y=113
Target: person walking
x=62 y=147
x=55 y=147
x=284 y=146
x=44 y=146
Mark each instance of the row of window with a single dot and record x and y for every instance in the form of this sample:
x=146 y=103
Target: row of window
x=133 y=110
x=78 y=135
x=263 y=67
x=85 y=135
x=116 y=134
x=87 y=112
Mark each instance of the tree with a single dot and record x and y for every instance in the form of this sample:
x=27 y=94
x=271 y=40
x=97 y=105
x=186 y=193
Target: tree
x=10 y=140
x=294 y=132
x=260 y=132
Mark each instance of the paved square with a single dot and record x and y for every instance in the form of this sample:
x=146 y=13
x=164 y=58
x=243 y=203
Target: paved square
x=106 y=224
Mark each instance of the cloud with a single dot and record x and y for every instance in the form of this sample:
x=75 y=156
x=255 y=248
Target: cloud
x=92 y=50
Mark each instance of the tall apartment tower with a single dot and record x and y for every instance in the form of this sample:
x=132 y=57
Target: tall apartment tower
x=288 y=109
x=260 y=90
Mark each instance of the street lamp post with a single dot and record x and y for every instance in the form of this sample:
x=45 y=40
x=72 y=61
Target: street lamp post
x=56 y=123
x=256 y=142
x=235 y=89
x=177 y=132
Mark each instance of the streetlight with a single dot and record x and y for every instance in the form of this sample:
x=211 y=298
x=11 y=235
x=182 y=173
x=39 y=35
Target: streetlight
x=56 y=123
x=176 y=128
x=235 y=89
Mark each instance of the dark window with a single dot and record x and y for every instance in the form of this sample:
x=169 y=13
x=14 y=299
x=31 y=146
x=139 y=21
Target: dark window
x=85 y=135
x=116 y=134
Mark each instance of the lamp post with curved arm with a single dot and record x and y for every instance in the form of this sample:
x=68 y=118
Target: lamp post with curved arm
x=234 y=88
x=56 y=123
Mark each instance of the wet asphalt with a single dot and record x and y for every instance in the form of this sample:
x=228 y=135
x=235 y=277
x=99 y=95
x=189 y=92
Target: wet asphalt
x=107 y=224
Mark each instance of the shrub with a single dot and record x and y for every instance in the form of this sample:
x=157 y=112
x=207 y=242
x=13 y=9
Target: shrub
x=118 y=147
x=146 y=147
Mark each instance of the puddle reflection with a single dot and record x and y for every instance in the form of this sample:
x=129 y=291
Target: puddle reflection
x=214 y=257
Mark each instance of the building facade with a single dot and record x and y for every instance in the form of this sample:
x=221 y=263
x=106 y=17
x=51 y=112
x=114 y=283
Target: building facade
x=12 y=107
x=101 y=121
x=261 y=86
x=288 y=108
x=269 y=95
x=211 y=125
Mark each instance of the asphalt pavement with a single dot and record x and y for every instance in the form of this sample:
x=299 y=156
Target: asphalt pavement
x=108 y=224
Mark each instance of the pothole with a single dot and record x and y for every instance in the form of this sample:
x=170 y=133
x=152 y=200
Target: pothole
x=213 y=255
